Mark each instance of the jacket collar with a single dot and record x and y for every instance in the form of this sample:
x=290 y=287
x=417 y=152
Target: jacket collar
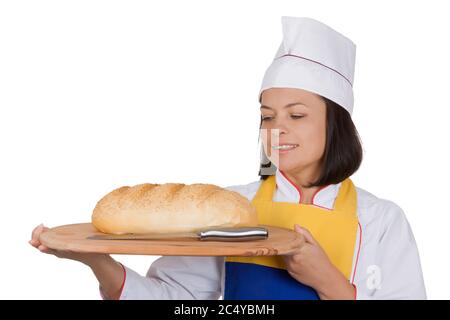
x=287 y=191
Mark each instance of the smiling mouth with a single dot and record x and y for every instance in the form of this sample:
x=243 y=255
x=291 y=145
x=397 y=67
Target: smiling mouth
x=285 y=147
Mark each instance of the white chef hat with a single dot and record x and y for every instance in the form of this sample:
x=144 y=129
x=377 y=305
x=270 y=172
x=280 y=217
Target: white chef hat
x=313 y=57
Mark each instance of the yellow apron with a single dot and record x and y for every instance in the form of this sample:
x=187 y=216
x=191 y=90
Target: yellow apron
x=265 y=277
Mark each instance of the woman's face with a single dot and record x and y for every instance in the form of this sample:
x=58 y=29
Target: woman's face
x=300 y=117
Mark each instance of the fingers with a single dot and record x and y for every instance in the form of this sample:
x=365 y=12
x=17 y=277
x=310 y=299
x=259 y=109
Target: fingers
x=47 y=250
x=305 y=232
x=35 y=242
x=36 y=232
x=35 y=236
x=43 y=248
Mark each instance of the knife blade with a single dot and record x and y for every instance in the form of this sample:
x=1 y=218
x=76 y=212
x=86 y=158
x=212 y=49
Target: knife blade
x=210 y=234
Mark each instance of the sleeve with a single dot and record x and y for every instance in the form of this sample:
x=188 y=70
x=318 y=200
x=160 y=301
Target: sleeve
x=174 y=278
x=396 y=273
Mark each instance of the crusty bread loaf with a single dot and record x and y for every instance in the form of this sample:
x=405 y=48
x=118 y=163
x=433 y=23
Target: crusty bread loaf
x=171 y=207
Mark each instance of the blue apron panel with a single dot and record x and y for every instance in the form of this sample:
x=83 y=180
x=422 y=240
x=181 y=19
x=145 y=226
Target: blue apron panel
x=254 y=281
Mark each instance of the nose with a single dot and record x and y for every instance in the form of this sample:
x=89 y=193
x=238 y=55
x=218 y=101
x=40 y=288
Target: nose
x=281 y=126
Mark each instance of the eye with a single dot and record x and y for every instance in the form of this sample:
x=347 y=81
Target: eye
x=295 y=116
x=266 y=118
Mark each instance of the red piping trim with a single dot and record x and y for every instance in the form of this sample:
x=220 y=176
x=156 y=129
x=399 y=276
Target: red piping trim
x=317 y=191
x=293 y=55
x=357 y=256
x=124 y=278
x=356 y=291
x=298 y=189
x=301 y=194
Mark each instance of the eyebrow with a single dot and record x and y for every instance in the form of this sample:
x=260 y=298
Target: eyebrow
x=286 y=106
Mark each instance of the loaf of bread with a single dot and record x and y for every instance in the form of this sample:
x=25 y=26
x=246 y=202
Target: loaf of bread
x=171 y=207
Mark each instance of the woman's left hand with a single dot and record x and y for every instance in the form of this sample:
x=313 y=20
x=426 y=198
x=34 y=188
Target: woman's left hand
x=311 y=266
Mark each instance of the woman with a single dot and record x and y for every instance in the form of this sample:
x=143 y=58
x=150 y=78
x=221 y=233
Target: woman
x=357 y=246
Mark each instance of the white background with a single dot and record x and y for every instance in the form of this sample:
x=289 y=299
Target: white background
x=99 y=94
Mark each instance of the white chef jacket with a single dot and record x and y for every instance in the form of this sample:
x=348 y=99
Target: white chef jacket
x=386 y=262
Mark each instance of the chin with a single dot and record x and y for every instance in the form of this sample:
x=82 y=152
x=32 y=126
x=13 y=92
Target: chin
x=286 y=168
x=287 y=165
x=293 y=162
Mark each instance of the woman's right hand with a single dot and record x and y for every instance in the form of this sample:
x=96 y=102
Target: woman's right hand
x=86 y=258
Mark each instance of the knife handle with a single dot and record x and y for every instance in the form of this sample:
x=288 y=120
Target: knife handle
x=234 y=234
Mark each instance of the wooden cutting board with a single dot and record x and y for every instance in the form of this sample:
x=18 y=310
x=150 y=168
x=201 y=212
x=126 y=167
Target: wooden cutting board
x=73 y=237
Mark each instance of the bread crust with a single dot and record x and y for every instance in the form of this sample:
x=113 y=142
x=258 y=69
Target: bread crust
x=171 y=207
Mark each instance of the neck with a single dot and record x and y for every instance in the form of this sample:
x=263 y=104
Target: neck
x=300 y=180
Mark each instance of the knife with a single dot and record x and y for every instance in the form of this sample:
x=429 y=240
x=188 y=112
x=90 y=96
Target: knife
x=210 y=234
